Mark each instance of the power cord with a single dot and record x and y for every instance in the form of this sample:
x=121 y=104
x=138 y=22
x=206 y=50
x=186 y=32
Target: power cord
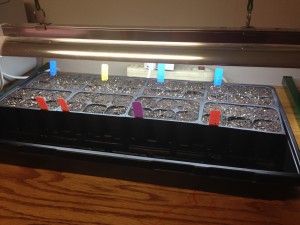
x=5 y=75
x=14 y=77
x=1 y=81
x=1 y=76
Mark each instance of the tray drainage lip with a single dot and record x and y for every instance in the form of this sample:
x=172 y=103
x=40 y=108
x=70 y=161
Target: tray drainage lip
x=153 y=161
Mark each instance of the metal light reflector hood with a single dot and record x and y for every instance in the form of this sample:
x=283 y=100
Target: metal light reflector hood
x=236 y=47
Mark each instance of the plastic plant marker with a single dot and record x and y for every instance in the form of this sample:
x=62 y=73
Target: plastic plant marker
x=218 y=77
x=104 y=72
x=53 y=69
x=293 y=94
x=137 y=109
x=41 y=102
x=214 y=118
x=161 y=73
x=63 y=104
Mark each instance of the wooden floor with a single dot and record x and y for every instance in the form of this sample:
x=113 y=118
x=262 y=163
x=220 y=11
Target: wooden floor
x=36 y=197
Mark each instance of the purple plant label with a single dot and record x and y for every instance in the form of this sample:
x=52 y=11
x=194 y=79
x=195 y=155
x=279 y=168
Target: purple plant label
x=137 y=109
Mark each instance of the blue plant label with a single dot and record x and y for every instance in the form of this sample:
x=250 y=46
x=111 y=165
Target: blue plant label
x=53 y=69
x=161 y=73
x=218 y=77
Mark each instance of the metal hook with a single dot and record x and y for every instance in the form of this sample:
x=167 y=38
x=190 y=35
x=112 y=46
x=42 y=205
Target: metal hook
x=39 y=15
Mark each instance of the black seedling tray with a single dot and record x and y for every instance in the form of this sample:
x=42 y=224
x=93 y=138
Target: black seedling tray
x=254 y=134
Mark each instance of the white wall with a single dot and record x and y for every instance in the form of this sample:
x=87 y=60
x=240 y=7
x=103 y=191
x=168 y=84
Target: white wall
x=176 y=13
x=12 y=11
x=234 y=74
x=191 y=13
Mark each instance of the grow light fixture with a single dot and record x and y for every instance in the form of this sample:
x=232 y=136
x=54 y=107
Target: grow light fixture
x=235 y=47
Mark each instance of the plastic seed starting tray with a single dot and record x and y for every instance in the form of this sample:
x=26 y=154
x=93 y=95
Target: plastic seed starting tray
x=253 y=141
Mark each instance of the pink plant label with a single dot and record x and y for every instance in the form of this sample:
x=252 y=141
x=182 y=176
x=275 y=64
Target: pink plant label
x=63 y=104
x=41 y=102
x=137 y=109
x=214 y=118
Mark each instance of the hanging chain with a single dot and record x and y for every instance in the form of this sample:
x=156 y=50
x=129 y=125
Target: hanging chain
x=37 y=4
x=249 y=10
